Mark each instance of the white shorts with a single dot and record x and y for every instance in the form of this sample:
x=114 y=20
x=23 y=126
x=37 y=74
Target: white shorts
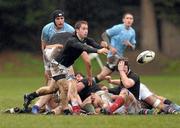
x=58 y=69
x=144 y=92
x=46 y=64
x=48 y=55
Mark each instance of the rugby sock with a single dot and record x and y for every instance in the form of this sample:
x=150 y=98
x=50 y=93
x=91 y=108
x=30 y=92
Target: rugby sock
x=33 y=95
x=169 y=110
x=117 y=103
x=67 y=112
x=75 y=106
x=35 y=109
x=76 y=109
x=149 y=111
x=167 y=101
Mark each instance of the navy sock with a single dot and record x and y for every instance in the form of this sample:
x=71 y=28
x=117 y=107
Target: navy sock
x=33 y=95
x=166 y=101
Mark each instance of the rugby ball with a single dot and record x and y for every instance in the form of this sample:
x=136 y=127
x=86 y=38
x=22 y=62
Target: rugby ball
x=145 y=57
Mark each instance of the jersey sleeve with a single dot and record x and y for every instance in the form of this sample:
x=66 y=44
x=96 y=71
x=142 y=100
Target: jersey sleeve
x=83 y=47
x=93 y=43
x=112 y=31
x=44 y=34
x=134 y=77
x=133 y=39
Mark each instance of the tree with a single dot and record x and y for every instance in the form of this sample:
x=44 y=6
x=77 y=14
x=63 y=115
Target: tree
x=22 y=21
x=168 y=15
x=149 y=38
x=168 y=9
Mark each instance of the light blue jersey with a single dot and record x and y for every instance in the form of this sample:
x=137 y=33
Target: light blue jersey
x=118 y=34
x=49 y=30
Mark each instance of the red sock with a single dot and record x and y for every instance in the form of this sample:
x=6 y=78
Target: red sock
x=76 y=109
x=117 y=103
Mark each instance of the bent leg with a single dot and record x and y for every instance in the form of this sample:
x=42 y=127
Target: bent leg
x=42 y=100
x=104 y=72
x=47 y=89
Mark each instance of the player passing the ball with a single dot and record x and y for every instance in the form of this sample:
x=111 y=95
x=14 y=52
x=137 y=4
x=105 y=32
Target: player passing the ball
x=70 y=52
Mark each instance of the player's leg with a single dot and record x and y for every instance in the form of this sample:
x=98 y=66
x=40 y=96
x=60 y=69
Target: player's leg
x=151 y=99
x=63 y=88
x=169 y=102
x=110 y=66
x=57 y=110
x=74 y=97
x=101 y=76
x=40 y=103
x=122 y=99
x=46 y=89
x=47 y=73
x=39 y=92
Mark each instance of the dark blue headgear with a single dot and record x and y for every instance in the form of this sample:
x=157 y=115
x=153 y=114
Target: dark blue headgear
x=57 y=13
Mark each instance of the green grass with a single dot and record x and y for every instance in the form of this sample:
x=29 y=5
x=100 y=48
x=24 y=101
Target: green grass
x=13 y=88
x=26 y=75
x=21 y=64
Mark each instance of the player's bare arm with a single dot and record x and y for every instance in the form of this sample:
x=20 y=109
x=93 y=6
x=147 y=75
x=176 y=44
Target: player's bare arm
x=55 y=46
x=87 y=63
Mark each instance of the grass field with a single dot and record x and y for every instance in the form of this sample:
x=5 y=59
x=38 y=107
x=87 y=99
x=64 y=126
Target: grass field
x=20 y=74
x=13 y=88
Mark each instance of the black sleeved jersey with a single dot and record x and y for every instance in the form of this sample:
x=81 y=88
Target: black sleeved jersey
x=60 y=38
x=136 y=88
x=73 y=49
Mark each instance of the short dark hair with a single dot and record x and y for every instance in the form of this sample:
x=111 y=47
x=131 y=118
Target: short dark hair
x=125 y=59
x=79 y=73
x=126 y=13
x=79 y=23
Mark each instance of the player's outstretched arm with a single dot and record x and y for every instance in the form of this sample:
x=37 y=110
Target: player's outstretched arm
x=102 y=51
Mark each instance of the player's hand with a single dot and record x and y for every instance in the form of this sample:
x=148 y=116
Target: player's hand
x=113 y=50
x=102 y=51
x=104 y=44
x=108 y=78
x=89 y=81
x=121 y=66
x=128 y=44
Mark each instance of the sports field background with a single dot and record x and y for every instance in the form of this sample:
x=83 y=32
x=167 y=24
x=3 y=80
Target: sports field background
x=27 y=77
